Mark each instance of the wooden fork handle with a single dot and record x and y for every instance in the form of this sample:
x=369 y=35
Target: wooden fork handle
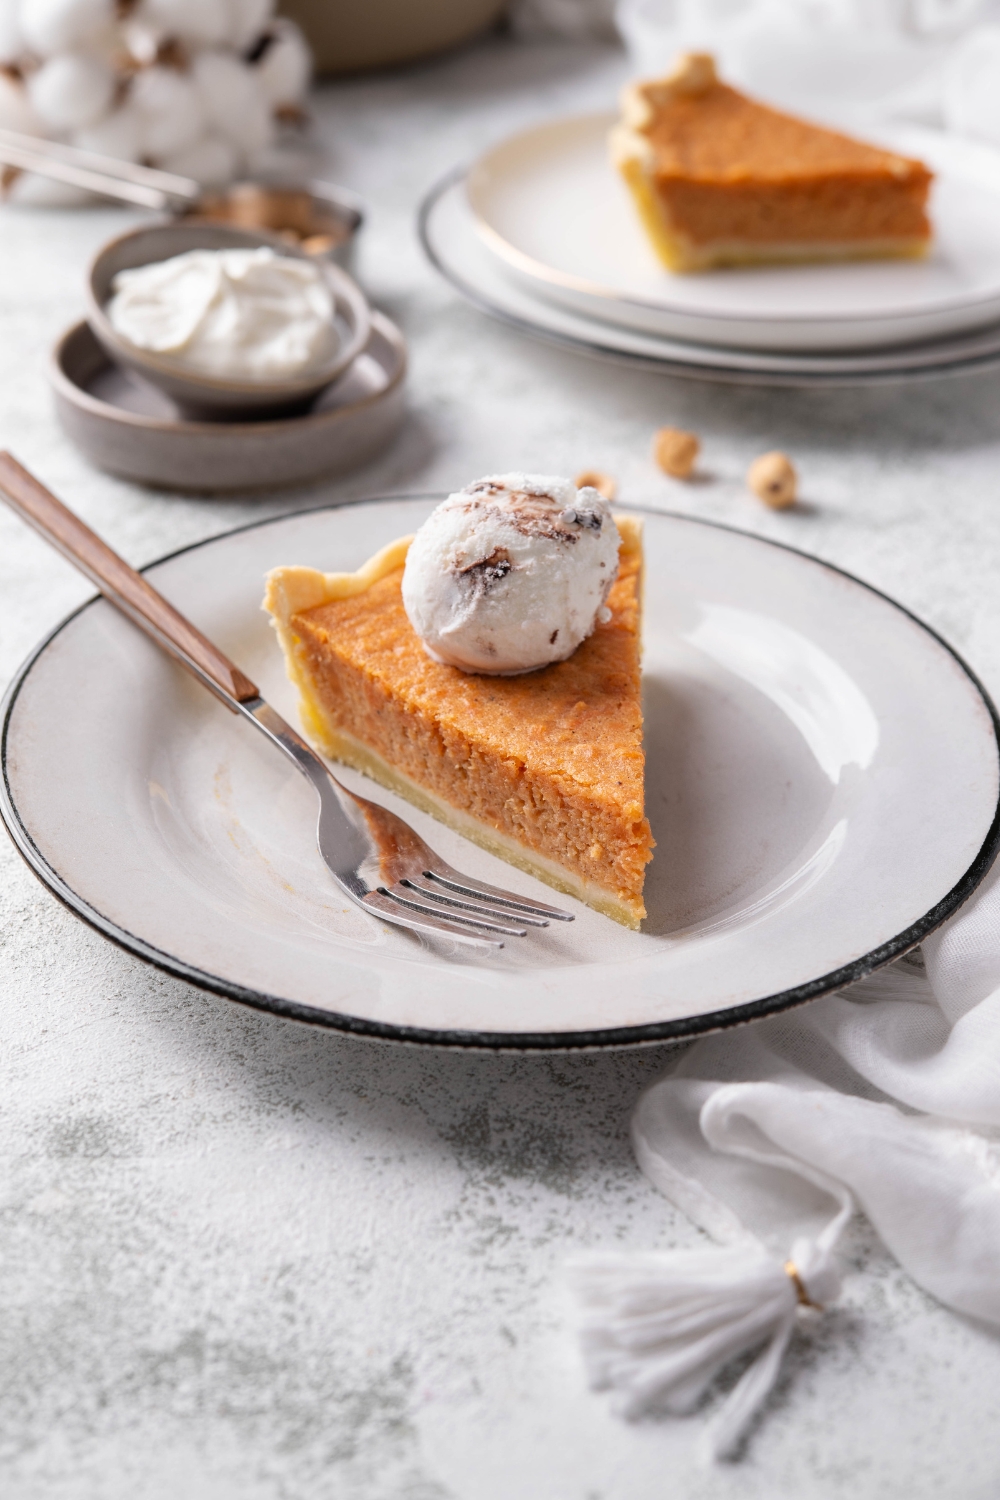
x=120 y=584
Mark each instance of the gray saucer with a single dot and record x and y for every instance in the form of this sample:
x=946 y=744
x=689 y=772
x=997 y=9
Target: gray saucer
x=125 y=425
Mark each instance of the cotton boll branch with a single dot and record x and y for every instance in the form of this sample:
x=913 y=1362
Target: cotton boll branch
x=195 y=86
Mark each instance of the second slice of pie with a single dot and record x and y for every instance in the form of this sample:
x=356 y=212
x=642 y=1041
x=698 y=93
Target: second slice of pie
x=720 y=179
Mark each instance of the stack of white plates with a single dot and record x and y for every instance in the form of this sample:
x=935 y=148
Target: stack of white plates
x=542 y=233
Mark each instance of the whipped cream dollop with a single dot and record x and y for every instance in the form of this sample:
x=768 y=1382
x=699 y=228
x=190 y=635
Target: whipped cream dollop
x=511 y=573
x=235 y=314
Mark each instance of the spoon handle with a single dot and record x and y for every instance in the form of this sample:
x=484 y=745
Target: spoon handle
x=121 y=585
x=149 y=187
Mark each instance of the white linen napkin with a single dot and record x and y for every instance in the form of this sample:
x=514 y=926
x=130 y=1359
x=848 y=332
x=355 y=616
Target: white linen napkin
x=886 y=1097
x=932 y=61
x=856 y=62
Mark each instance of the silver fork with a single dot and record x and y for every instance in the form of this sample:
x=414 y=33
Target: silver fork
x=377 y=859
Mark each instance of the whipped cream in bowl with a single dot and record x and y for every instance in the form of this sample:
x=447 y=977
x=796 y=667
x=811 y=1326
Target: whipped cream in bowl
x=239 y=314
x=511 y=573
x=229 y=323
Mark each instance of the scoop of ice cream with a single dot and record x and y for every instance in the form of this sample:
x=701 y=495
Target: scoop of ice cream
x=510 y=573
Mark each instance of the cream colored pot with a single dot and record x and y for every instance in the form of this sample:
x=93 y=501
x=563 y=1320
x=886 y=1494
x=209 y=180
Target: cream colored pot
x=351 y=35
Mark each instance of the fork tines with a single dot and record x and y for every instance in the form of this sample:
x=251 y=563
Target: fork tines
x=464 y=914
x=464 y=885
x=397 y=909
x=462 y=901
x=465 y=908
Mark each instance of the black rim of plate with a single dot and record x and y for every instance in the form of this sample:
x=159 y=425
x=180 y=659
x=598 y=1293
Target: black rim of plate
x=718 y=374
x=622 y=1036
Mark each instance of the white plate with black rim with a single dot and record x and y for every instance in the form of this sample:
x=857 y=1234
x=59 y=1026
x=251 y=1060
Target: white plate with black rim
x=448 y=233
x=823 y=776
x=549 y=203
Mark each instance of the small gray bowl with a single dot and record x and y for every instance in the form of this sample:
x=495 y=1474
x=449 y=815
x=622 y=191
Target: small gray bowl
x=209 y=397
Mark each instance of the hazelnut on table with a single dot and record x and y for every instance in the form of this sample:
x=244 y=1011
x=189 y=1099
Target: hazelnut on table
x=593 y=479
x=773 y=479
x=675 y=451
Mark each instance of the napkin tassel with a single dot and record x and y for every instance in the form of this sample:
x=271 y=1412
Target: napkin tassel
x=658 y=1327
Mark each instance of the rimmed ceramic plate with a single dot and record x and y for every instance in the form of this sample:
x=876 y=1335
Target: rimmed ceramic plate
x=823 y=778
x=452 y=244
x=549 y=203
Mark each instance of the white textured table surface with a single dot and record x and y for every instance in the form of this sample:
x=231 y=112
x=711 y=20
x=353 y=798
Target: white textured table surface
x=244 y=1258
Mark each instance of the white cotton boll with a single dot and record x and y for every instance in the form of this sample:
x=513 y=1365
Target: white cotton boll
x=119 y=135
x=233 y=102
x=142 y=40
x=247 y=19
x=170 y=109
x=11 y=40
x=50 y=26
x=71 y=91
x=285 y=68
x=16 y=112
x=203 y=21
x=210 y=161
